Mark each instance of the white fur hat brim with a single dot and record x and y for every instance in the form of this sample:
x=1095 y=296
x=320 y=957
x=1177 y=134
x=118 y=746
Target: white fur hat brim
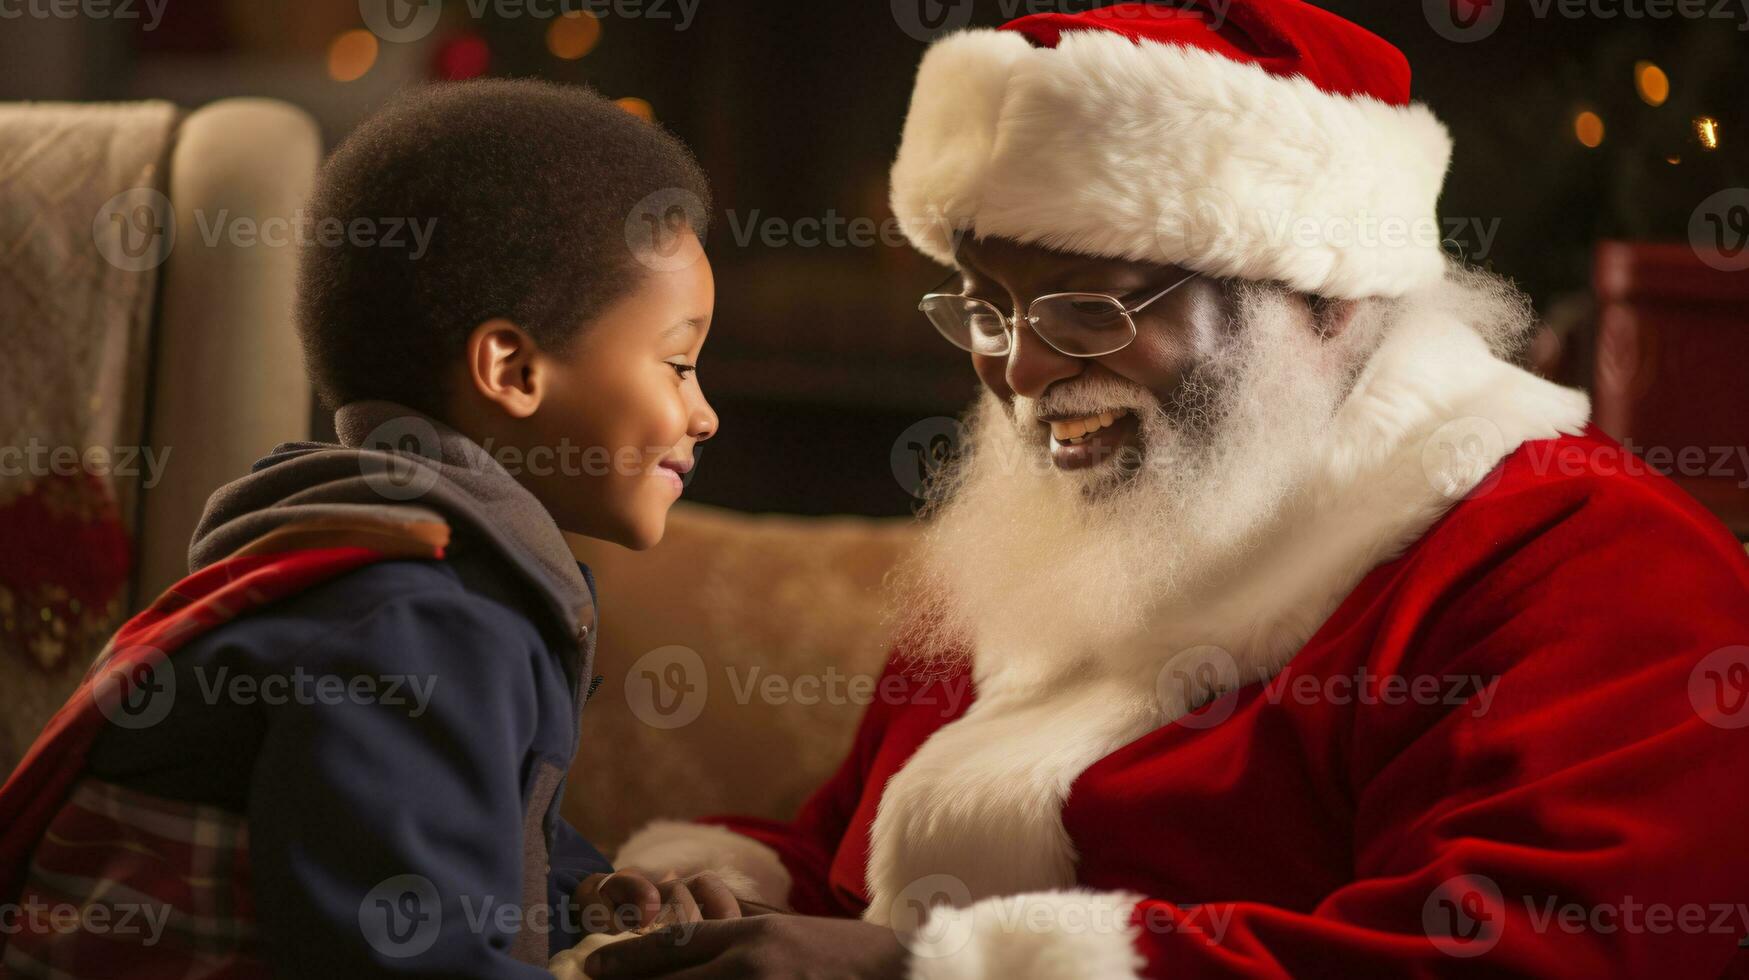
x=1161 y=152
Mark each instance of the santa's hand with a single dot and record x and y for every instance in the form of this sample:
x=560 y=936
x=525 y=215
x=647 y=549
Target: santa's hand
x=632 y=899
x=766 y=946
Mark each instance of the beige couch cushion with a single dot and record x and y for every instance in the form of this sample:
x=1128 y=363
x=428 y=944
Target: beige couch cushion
x=230 y=375
x=710 y=644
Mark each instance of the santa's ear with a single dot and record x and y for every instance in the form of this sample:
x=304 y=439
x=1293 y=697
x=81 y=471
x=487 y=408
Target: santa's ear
x=1329 y=315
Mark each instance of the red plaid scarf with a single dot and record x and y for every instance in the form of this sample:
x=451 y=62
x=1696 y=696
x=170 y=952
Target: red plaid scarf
x=110 y=882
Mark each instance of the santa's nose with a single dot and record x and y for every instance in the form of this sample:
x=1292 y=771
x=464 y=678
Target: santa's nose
x=1034 y=365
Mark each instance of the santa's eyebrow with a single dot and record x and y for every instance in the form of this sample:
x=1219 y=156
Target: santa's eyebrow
x=1087 y=265
x=968 y=269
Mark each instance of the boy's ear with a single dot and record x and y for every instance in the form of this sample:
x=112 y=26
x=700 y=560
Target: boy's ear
x=501 y=367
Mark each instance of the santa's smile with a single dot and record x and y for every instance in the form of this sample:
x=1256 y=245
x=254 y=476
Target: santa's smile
x=1081 y=441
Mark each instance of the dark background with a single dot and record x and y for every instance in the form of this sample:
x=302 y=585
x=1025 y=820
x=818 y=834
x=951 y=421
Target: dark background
x=818 y=361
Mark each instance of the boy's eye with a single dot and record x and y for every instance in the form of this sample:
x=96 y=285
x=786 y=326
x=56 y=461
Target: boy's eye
x=682 y=368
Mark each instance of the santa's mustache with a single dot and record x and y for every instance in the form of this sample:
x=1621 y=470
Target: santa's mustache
x=1084 y=396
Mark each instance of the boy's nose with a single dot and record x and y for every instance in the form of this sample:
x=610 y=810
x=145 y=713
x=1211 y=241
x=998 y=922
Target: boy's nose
x=703 y=424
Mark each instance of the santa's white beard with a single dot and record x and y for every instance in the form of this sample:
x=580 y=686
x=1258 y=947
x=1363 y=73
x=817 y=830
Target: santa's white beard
x=1020 y=559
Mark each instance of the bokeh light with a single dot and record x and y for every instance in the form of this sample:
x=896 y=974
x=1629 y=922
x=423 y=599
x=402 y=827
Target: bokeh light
x=351 y=55
x=1651 y=82
x=1706 y=129
x=573 y=35
x=637 y=107
x=464 y=56
x=1588 y=126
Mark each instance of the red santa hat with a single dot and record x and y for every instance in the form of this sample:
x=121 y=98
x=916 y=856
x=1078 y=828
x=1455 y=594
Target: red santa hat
x=1258 y=139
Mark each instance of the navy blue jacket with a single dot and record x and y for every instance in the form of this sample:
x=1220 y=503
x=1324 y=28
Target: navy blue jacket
x=424 y=775
x=396 y=738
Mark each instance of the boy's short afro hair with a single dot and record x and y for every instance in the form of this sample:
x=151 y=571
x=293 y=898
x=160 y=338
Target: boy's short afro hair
x=526 y=188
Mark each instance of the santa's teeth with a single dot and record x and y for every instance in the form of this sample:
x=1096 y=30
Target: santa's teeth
x=1075 y=430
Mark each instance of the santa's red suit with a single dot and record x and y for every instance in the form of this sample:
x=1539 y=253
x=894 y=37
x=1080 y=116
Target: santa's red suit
x=1485 y=685
x=1520 y=748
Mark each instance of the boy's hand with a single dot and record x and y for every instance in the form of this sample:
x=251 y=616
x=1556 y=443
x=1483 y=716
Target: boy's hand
x=771 y=947
x=633 y=899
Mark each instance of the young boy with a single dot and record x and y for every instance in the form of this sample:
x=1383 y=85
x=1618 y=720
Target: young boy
x=338 y=747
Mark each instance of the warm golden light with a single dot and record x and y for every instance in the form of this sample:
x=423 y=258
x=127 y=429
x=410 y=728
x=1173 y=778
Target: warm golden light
x=1653 y=84
x=637 y=107
x=1707 y=128
x=573 y=35
x=1588 y=126
x=351 y=55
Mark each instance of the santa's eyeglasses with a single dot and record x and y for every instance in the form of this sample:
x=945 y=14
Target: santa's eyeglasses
x=1076 y=324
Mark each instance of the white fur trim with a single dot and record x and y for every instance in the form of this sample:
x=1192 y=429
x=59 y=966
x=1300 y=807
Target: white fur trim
x=752 y=870
x=1164 y=153
x=981 y=799
x=1063 y=935
x=1430 y=415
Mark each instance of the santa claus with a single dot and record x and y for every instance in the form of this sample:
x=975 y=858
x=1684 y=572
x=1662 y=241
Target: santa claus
x=1308 y=634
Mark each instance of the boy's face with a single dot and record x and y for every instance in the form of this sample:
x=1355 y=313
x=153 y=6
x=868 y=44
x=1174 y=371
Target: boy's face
x=607 y=430
x=630 y=390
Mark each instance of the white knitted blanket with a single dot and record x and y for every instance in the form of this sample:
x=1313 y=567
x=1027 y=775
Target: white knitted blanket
x=83 y=229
